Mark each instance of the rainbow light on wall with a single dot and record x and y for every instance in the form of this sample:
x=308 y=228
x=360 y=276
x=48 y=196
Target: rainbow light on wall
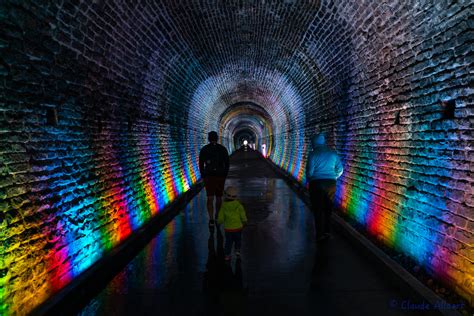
x=291 y=157
x=397 y=206
x=91 y=215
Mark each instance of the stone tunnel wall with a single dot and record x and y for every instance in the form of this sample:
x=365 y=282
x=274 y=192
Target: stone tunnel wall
x=380 y=79
x=89 y=150
x=394 y=98
x=402 y=122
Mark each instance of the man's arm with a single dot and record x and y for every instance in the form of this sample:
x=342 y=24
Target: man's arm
x=338 y=168
x=226 y=161
x=309 y=167
x=201 y=162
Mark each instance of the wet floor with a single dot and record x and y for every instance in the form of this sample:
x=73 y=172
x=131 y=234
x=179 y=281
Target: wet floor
x=282 y=272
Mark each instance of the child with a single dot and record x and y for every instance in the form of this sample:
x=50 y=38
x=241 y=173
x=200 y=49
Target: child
x=232 y=215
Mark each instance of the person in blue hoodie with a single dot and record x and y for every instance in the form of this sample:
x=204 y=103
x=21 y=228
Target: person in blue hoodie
x=322 y=170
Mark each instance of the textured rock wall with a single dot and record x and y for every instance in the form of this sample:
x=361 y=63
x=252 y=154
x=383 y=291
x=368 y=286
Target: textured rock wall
x=404 y=129
x=89 y=147
x=104 y=106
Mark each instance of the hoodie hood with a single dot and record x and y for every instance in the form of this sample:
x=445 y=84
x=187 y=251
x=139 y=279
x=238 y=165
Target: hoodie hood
x=318 y=140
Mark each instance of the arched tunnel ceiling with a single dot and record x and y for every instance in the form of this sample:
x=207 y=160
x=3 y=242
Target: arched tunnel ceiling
x=248 y=112
x=200 y=57
x=259 y=34
x=247 y=123
x=262 y=53
x=245 y=107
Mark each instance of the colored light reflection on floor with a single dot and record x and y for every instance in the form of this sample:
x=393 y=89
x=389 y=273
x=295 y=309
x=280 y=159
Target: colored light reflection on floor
x=154 y=267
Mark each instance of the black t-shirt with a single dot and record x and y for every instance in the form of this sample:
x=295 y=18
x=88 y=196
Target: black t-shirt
x=214 y=160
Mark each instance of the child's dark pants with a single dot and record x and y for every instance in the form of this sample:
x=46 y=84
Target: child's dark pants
x=230 y=238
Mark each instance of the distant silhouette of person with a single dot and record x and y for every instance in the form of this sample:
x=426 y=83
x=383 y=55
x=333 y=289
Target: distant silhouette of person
x=232 y=215
x=322 y=170
x=214 y=167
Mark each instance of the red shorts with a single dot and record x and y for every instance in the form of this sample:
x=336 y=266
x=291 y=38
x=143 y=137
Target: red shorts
x=214 y=185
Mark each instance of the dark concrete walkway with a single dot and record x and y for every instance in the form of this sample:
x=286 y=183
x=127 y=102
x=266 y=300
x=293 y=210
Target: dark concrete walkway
x=182 y=270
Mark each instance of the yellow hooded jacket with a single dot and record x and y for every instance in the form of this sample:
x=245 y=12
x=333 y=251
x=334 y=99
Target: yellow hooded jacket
x=232 y=214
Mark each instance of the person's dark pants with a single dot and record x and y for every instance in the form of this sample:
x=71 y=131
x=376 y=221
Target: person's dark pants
x=230 y=238
x=322 y=196
x=214 y=187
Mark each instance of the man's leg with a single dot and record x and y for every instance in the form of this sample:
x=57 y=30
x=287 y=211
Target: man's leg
x=218 y=204
x=323 y=215
x=219 y=192
x=330 y=191
x=210 y=184
x=210 y=207
x=316 y=206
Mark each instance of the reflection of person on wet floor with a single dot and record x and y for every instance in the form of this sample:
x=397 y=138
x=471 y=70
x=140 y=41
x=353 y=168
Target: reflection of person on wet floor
x=232 y=215
x=222 y=285
x=212 y=276
x=232 y=295
x=214 y=166
x=322 y=169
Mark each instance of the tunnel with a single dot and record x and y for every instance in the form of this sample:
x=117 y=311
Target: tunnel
x=105 y=105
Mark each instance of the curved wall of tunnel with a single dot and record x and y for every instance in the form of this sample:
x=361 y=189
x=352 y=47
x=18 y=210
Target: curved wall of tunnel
x=104 y=107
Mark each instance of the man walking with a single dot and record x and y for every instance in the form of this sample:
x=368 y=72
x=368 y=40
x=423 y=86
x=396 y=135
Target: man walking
x=214 y=167
x=322 y=170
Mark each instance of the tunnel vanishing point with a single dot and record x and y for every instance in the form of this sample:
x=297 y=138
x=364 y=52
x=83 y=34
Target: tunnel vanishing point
x=104 y=106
